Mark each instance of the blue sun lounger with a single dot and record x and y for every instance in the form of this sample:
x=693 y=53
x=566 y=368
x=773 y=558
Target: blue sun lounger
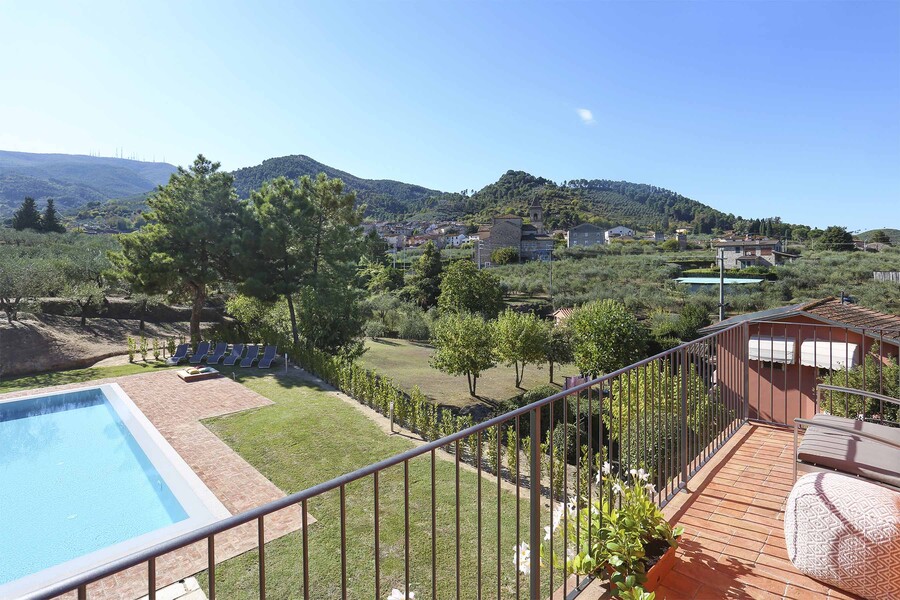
x=252 y=355
x=198 y=356
x=235 y=357
x=266 y=361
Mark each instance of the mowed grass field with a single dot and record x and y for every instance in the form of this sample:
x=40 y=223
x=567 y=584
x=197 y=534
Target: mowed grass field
x=407 y=364
x=310 y=436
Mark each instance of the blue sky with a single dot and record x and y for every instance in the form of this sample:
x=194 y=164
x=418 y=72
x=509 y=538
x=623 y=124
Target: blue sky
x=756 y=108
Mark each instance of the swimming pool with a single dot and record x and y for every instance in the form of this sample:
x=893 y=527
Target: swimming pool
x=86 y=478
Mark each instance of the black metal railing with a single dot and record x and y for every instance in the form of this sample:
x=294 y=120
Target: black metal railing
x=667 y=414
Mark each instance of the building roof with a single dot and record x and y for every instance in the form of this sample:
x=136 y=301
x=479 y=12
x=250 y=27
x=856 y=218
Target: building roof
x=829 y=310
x=508 y=217
x=584 y=226
x=723 y=243
x=561 y=314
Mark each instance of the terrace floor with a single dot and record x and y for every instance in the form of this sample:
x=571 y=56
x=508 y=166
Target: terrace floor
x=733 y=516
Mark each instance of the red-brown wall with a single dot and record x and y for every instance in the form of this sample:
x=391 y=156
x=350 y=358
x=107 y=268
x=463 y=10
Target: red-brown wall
x=779 y=393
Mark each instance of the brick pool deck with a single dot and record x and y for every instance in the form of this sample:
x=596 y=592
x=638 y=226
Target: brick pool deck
x=176 y=408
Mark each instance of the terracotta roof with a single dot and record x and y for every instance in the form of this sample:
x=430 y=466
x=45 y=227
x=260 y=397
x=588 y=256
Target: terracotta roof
x=852 y=314
x=561 y=314
x=829 y=310
x=746 y=243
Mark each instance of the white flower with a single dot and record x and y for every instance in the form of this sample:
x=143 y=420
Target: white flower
x=643 y=475
x=651 y=489
x=860 y=417
x=632 y=472
x=607 y=469
x=547 y=532
x=598 y=479
x=523 y=558
x=398 y=595
x=617 y=488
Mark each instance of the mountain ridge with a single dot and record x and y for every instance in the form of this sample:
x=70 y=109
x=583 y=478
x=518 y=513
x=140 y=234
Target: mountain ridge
x=74 y=180
x=112 y=192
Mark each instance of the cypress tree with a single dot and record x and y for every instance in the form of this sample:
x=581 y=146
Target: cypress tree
x=27 y=217
x=50 y=221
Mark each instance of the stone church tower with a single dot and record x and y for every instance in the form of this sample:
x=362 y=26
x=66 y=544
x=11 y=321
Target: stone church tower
x=536 y=214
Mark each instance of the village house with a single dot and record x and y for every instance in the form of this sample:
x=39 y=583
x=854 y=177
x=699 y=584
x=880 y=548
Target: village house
x=618 y=232
x=739 y=254
x=584 y=235
x=509 y=231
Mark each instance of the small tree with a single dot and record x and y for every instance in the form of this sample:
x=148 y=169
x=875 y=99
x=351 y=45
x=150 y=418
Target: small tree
x=27 y=216
x=520 y=338
x=880 y=237
x=465 y=288
x=837 y=238
x=464 y=345
x=504 y=256
x=86 y=294
x=558 y=350
x=606 y=337
x=50 y=222
x=425 y=280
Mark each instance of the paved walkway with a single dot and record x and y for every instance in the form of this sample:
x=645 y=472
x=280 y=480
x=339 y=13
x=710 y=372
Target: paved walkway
x=176 y=408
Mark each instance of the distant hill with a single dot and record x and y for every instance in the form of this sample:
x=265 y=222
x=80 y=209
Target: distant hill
x=111 y=192
x=568 y=203
x=383 y=197
x=894 y=234
x=606 y=202
x=74 y=180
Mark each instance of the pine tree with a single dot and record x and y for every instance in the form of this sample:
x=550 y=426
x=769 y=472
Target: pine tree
x=50 y=222
x=27 y=217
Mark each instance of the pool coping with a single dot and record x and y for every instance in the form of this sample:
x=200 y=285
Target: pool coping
x=198 y=501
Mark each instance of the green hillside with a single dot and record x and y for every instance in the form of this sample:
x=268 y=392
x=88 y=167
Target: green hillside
x=383 y=197
x=74 y=180
x=601 y=201
x=893 y=234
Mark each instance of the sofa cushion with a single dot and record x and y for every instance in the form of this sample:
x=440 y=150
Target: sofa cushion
x=852 y=454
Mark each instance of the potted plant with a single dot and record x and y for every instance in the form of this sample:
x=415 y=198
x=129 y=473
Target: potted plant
x=632 y=544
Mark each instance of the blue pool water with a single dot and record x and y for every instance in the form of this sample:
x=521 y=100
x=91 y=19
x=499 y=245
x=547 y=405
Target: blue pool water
x=72 y=480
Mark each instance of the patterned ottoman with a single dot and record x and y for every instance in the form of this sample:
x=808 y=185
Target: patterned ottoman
x=845 y=531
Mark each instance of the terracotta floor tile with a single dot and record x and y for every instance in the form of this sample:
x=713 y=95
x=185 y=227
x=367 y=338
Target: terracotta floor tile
x=735 y=523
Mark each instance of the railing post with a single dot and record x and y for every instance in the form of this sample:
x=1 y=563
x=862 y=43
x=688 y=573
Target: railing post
x=684 y=409
x=534 y=519
x=745 y=354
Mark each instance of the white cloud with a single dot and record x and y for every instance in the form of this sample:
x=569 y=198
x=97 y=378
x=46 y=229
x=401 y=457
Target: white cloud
x=587 y=117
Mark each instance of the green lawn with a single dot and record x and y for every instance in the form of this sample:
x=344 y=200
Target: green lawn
x=28 y=382
x=308 y=437
x=407 y=364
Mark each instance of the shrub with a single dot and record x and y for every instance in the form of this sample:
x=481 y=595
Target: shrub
x=156 y=349
x=131 y=349
x=375 y=329
x=413 y=326
x=143 y=348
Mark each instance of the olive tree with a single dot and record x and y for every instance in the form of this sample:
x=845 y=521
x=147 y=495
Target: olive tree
x=520 y=338
x=464 y=345
x=606 y=337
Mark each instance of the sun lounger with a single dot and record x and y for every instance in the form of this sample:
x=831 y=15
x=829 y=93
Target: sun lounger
x=235 y=357
x=218 y=354
x=266 y=361
x=252 y=355
x=180 y=354
x=198 y=356
x=859 y=448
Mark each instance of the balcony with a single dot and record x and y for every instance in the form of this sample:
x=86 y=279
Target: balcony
x=707 y=420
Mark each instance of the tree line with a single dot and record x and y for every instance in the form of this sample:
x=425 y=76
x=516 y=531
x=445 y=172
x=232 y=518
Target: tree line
x=27 y=216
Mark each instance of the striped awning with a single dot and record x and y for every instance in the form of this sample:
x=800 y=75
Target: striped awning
x=771 y=349
x=829 y=355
